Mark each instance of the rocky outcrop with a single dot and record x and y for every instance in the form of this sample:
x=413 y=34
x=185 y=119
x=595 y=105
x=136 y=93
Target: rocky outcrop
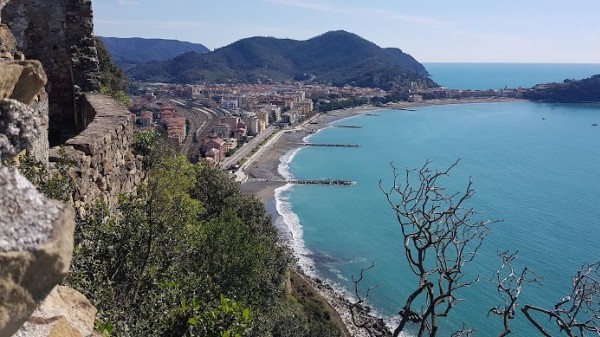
x=64 y=313
x=35 y=247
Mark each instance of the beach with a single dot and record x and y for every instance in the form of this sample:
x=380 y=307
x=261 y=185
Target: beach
x=264 y=168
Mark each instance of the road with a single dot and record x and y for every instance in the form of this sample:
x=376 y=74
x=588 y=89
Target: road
x=247 y=149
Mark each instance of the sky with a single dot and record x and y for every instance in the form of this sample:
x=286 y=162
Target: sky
x=532 y=31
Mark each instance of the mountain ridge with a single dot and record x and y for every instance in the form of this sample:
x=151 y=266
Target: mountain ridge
x=336 y=57
x=128 y=52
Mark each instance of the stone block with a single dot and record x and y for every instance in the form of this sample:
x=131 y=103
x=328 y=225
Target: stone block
x=35 y=248
x=21 y=80
x=65 y=312
x=19 y=127
x=6 y=38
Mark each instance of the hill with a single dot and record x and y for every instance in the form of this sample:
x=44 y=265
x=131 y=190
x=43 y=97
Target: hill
x=569 y=91
x=128 y=52
x=336 y=57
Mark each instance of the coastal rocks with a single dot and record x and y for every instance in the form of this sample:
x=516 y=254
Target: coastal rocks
x=329 y=145
x=341 y=303
x=35 y=248
x=64 y=313
x=337 y=182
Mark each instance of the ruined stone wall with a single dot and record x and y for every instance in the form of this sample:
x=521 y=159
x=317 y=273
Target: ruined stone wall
x=100 y=157
x=59 y=33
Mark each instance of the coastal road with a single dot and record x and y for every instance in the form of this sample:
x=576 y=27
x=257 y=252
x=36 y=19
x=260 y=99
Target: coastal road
x=247 y=149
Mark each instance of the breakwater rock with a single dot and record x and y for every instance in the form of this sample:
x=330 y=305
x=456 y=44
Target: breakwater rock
x=329 y=145
x=339 y=182
x=348 y=126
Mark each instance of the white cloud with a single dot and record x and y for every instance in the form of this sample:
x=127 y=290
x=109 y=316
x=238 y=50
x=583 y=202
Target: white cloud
x=128 y=2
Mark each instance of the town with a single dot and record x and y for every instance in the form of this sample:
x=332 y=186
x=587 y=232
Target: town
x=212 y=121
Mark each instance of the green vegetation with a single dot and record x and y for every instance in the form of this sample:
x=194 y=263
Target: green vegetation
x=188 y=255
x=112 y=79
x=56 y=184
x=338 y=58
x=582 y=91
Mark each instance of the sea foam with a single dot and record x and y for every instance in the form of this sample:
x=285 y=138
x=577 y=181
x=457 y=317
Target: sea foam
x=288 y=222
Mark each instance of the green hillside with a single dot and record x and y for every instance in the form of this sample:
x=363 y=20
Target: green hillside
x=336 y=57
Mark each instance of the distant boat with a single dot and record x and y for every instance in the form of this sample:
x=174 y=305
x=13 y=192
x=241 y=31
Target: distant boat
x=595 y=124
x=543 y=118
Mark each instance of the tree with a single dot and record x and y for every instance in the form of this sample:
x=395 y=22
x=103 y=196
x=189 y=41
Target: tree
x=440 y=237
x=112 y=79
x=576 y=314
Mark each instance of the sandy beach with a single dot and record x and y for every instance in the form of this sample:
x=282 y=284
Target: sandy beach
x=265 y=168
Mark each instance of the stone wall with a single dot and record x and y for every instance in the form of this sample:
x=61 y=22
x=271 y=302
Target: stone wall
x=59 y=33
x=36 y=234
x=100 y=157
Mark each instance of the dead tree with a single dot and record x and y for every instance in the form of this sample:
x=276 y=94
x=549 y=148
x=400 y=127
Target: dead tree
x=440 y=236
x=577 y=314
x=509 y=285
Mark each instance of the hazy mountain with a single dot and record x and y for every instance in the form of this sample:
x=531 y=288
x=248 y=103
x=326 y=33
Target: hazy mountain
x=133 y=51
x=336 y=57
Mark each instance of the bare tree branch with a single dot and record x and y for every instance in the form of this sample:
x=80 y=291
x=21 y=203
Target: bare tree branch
x=576 y=314
x=509 y=285
x=440 y=237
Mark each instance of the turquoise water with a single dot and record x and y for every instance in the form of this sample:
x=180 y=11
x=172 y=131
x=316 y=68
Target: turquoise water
x=483 y=76
x=534 y=166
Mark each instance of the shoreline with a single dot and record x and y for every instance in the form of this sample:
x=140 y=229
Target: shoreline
x=265 y=166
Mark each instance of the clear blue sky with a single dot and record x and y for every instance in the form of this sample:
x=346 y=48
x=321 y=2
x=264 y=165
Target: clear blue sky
x=431 y=31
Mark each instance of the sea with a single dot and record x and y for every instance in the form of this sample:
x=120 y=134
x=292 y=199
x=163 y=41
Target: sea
x=535 y=167
x=484 y=76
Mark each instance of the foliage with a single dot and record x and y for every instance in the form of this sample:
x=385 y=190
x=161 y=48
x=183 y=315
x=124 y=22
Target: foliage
x=145 y=142
x=113 y=81
x=56 y=184
x=335 y=57
x=189 y=255
x=581 y=91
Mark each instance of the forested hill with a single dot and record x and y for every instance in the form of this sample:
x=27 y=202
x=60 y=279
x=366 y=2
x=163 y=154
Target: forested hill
x=336 y=57
x=580 y=91
x=128 y=52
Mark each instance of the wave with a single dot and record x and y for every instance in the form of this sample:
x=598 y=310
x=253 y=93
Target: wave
x=292 y=225
x=284 y=163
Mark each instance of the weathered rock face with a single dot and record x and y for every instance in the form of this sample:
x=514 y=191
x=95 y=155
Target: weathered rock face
x=64 y=313
x=35 y=248
x=22 y=81
x=59 y=33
